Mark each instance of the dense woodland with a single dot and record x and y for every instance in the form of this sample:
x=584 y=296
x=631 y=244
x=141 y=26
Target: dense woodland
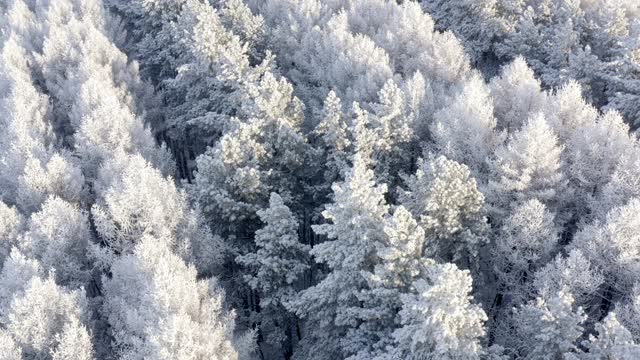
x=319 y=179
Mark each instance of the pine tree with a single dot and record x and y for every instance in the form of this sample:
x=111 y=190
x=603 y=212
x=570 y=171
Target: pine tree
x=394 y=133
x=357 y=217
x=212 y=68
x=334 y=133
x=150 y=37
x=439 y=320
x=238 y=17
x=400 y=263
x=548 y=327
x=279 y=262
x=444 y=197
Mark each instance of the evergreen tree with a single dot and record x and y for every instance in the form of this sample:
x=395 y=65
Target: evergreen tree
x=357 y=218
x=439 y=320
x=279 y=262
x=400 y=263
x=444 y=197
x=334 y=133
x=548 y=327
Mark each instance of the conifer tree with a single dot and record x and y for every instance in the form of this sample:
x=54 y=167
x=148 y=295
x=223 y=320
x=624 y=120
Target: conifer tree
x=439 y=320
x=357 y=217
x=548 y=327
x=279 y=262
x=444 y=197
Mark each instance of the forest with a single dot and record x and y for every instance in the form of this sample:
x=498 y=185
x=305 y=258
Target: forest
x=319 y=179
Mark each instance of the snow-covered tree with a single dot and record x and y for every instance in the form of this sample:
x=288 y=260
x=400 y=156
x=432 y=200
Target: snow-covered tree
x=526 y=241
x=613 y=246
x=400 y=264
x=40 y=318
x=593 y=42
x=325 y=52
x=30 y=169
x=527 y=199
x=479 y=25
x=16 y=273
x=573 y=274
x=357 y=219
x=464 y=130
x=394 y=130
x=235 y=177
x=105 y=86
x=238 y=17
x=593 y=154
x=334 y=133
x=212 y=68
x=150 y=34
x=548 y=327
x=134 y=199
x=528 y=167
x=444 y=197
x=516 y=95
x=407 y=34
x=280 y=261
x=623 y=185
x=58 y=236
x=11 y=226
x=613 y=341
x=262 y=148
x=157 y=308
x=567 y=110
x=440 y=321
